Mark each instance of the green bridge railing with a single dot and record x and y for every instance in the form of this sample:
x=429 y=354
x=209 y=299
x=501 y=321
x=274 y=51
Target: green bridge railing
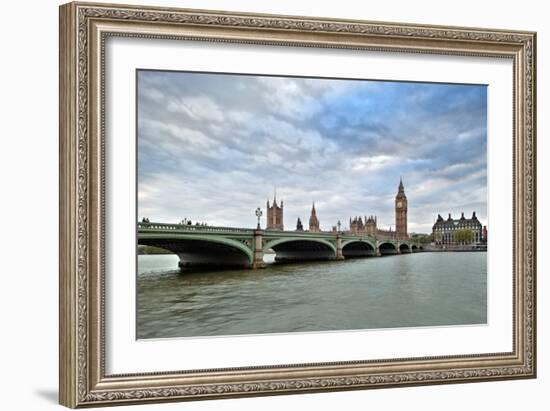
x=217 y=229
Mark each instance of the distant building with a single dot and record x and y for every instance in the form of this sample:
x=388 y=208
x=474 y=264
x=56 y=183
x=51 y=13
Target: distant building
x=369 y=225
x=313 y=220
x=274 y=215
x=357 y=225
x=444 y=231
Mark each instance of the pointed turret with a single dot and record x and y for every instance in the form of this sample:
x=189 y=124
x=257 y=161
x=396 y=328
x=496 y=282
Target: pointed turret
x=274 y=214
x=313 y=220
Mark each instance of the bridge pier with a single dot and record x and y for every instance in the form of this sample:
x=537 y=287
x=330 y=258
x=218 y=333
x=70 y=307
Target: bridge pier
x=377 y=252
x=339 y=254
x=258 y=261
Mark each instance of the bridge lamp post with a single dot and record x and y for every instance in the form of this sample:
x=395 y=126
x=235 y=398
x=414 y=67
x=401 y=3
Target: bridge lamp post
x=259 y=215
x=339 y=224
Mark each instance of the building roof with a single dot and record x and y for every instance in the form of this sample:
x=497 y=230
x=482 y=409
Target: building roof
x=461 y=222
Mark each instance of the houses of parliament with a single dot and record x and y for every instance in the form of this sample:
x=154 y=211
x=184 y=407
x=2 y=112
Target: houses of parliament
x=357 y=225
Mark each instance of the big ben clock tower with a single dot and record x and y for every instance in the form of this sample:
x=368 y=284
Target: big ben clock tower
x=401 y=212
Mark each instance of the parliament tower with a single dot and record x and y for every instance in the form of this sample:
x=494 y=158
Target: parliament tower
x=401 y=212
x=274 y=215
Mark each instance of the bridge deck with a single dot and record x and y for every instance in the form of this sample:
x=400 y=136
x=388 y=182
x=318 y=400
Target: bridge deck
x=201 y=229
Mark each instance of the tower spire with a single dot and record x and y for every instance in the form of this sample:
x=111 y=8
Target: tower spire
x=274 y=213
x=313 y=220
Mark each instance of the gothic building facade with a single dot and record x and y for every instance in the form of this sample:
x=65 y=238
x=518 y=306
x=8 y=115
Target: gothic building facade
x=445 y=231
x=369 y=225
x=275 y=215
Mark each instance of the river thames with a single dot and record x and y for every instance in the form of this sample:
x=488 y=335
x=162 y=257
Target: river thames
x=408 y=290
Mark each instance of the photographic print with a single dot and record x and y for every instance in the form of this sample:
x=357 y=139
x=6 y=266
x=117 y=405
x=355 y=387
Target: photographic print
x=275 y=204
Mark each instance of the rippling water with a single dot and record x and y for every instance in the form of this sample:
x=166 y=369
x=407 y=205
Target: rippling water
x=409 y=290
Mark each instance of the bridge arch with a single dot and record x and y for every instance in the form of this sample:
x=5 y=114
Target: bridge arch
x=357 y=248
x=387 y=248
x=274 y=243
x=197 y=250
x=301 y=249
x=414 y=248
x=361 y=240
x=404 y=248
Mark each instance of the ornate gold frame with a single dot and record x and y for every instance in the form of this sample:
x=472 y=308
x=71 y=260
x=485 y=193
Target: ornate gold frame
x=83 y=30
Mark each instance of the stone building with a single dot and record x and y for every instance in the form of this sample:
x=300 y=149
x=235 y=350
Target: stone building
x=444 y=231
x=274 y=215
x=368 y=225
x=313 y=220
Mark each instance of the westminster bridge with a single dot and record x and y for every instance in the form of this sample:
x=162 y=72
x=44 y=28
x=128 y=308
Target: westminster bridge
x=227 y=246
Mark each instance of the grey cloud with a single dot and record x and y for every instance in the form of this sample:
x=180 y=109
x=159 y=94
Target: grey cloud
x=212 y=147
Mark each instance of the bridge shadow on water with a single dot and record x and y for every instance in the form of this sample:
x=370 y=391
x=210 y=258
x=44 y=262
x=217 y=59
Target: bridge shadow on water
x=272 y=263
x=272 y=266
x=236 y=269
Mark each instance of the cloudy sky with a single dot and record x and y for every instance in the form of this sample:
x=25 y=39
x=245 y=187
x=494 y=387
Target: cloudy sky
x=212 y=148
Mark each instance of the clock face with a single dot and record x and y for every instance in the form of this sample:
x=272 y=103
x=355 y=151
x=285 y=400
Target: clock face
x=399 y=204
